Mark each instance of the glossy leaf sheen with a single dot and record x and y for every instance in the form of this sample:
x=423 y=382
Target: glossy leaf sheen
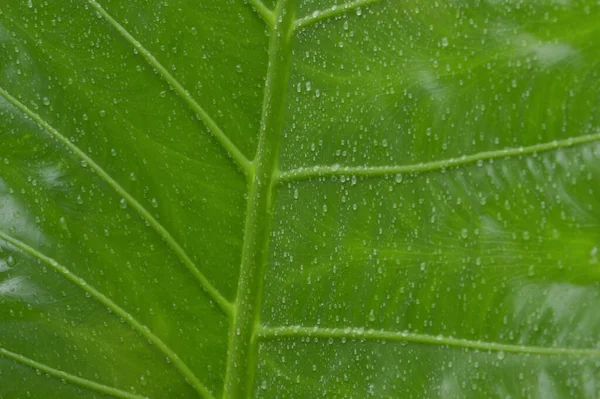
x=220 y=198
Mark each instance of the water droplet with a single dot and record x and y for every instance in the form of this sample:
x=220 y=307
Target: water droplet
x=371 y=315
x=445 y=42
x=594 y=255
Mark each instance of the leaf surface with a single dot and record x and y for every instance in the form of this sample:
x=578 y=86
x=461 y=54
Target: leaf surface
x=299 y=199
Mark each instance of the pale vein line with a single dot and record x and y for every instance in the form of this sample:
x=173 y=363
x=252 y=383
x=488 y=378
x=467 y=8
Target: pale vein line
x=143 y=330
x=267 y=15
x=332 y=12
x=62 y=375
x=242 y=352
x=221 y=301
x=372 y=171
x=383 y=335
x=227 y=144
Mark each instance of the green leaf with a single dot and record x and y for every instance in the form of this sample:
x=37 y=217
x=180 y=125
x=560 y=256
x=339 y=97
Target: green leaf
x=214 y=198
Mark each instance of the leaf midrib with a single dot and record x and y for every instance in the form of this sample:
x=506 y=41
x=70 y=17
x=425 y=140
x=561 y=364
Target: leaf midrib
x=241 y=358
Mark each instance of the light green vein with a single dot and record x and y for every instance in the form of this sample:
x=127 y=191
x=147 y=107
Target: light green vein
x=221 y=301
x=242 y=351
x=383 y=335
x=262 y=10
x=227 y=144
x=332 y=12
x=144 y=331
x=336 y=170
x=82 y=382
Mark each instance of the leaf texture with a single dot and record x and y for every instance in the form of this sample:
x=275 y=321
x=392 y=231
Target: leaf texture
x=299 y=198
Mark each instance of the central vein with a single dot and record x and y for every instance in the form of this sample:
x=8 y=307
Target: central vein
x=241 y=359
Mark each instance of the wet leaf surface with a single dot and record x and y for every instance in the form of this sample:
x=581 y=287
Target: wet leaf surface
x=299 y=199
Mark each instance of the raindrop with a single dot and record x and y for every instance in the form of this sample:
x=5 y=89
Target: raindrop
x=445 y=42
x=594 y=255
x=371 y=315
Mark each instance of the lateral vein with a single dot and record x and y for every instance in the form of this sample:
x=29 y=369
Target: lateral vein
x=235 y=153
x=267 y=15
x=144 y=331
x=212 y=291
x=405 y=336
x=62 y=375
x=374 y=171
x=331 y=12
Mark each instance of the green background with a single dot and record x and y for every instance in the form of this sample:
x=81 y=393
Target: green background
x=479 y=276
